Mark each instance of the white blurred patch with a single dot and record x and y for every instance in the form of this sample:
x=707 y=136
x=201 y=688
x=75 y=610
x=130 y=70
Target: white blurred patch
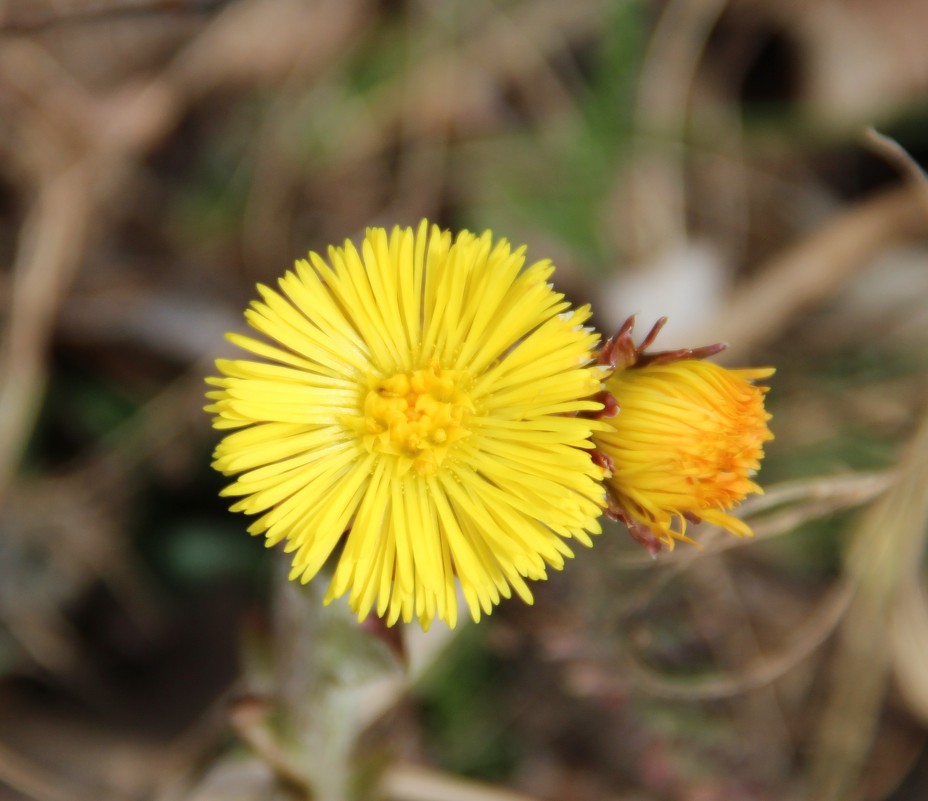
x=887 y=303
x=687 y=284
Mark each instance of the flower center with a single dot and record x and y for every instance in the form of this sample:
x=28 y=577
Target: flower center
x=416 y=416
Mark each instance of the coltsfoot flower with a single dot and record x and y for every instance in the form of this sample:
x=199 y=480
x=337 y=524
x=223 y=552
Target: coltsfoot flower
x=417 y=419
x=685 y=442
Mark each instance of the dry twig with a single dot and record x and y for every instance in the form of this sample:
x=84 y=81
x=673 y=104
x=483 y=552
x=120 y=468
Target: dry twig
x=50 y=248
x=897 y=156
x=413 y=783
x=811 y=270
x=658 y=204
x=888 y=542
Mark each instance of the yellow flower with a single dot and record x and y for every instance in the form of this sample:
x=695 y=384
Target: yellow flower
x=416 y=417
x=686 y=441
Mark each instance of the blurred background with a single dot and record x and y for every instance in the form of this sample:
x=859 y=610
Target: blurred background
x=747 y=167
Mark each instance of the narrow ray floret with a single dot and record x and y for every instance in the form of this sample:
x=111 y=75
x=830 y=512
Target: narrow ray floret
x=420 y=418
x=684 y=438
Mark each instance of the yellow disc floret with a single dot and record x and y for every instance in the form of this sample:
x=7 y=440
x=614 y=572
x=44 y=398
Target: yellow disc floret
x=416 y=416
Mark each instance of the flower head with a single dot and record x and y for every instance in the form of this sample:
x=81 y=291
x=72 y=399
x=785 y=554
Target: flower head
x=416 y=416
x=686 y=440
